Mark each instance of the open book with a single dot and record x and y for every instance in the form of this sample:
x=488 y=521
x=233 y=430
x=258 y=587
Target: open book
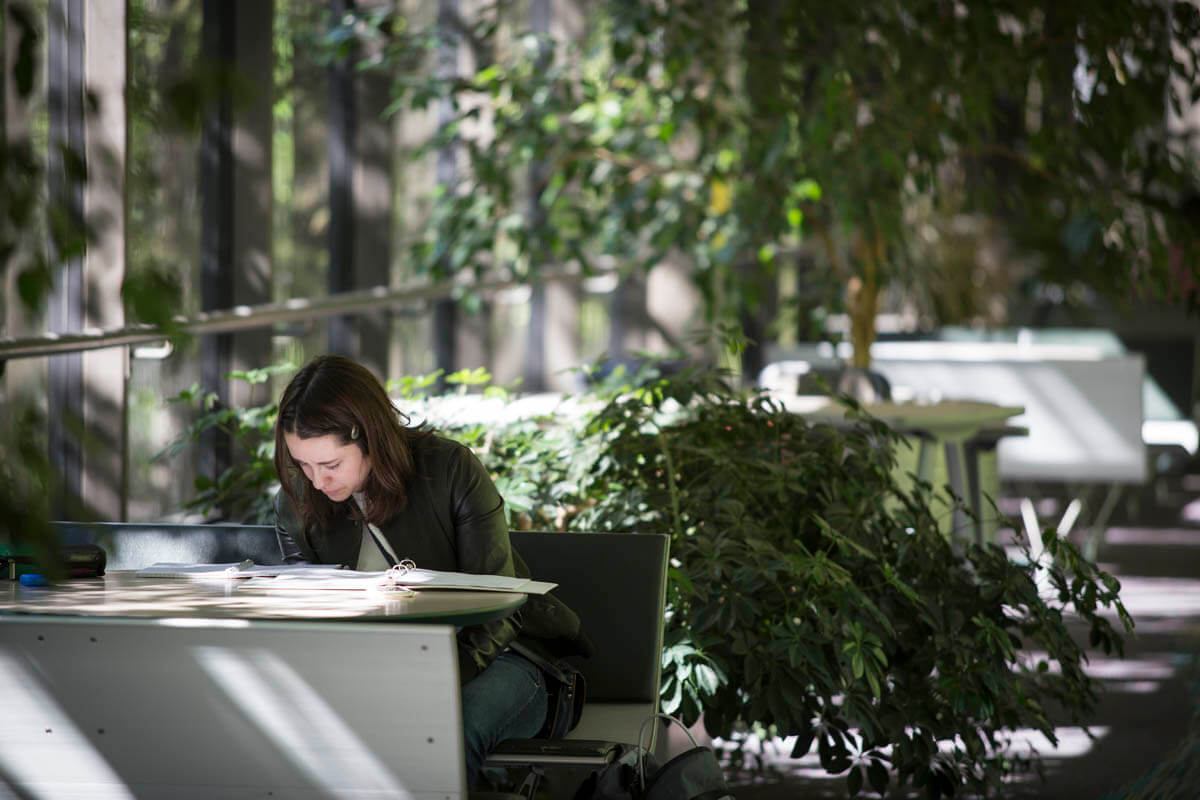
x=399 y=577
x=309 y=576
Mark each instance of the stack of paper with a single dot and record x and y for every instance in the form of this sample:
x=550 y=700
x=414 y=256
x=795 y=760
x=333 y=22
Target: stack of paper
x=241 y=569
x=341 y=579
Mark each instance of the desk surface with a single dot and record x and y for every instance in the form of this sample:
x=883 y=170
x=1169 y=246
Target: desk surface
x=122 y=594
x=950 y=419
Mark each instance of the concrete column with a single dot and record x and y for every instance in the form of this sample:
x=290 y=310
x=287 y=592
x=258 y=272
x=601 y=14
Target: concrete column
x=672 y=302
x=446 y=312
x=562 y=339
x=553 y=341
x=373 y=207
x=65 y=303
x=251 y=149
x=343 y=127
x=104 y=486
x=627 y=315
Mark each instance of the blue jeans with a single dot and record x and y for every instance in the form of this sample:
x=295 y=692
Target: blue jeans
x=507 y=700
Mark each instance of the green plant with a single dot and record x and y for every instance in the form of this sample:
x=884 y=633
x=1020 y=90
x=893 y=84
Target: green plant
x=812 y=592
x=814 y=597
x=245 y=490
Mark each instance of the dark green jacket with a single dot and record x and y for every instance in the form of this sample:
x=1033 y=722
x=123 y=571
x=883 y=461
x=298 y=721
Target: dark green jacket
x=453 y=521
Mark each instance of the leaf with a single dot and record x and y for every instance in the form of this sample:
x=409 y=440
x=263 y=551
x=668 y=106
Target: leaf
x=873 y=681
x=854 y=781
x=672 y=702
x=25 y=66
x=877 y=774
x=803 y=743
x=706 y=679
x=680 y=578
x=825 y=751
x=33 y=284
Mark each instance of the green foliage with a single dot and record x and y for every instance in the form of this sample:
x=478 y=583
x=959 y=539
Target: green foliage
x=246 y=489
x=812 y=593
x=28 y=482
x=869 y=135
x=829 y=599
x=27 y=211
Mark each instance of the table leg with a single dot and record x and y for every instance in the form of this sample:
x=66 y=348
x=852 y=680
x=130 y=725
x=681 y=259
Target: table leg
x=960 y=485
x=1099 y=526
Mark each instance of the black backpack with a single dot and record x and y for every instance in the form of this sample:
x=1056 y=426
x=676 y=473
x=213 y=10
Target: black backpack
x=635 y=774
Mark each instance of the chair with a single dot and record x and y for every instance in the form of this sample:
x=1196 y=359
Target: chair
x=616 y=583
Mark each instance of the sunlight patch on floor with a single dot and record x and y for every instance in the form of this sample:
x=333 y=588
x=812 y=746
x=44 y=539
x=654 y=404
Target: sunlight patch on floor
x=1073 y=742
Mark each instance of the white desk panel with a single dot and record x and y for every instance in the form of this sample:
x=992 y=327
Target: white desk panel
x=196 y=708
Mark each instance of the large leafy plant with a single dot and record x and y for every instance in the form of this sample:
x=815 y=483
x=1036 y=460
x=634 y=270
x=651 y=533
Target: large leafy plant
x=812 y=593
x=814 y=596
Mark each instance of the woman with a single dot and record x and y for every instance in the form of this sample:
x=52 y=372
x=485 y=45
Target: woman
x=363 y=489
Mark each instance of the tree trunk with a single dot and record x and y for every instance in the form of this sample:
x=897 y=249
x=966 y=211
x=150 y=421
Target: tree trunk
x=862 y=297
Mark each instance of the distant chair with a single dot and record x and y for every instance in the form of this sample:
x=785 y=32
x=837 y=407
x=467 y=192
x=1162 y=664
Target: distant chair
x=617 y=584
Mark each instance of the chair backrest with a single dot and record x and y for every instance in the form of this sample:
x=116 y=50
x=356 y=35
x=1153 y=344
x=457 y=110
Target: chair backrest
x=134 y=545
x=616 y=583
x=147 y=708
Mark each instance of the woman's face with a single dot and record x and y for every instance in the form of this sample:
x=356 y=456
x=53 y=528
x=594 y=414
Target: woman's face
x=339 y=470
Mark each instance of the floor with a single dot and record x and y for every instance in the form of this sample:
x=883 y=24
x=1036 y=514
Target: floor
x=1145 y=740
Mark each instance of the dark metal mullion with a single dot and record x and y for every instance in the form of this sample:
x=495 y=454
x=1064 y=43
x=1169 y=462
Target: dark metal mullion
x=66 y=306
x=216 y=241
x=445 y=312
x=343 y=122
x=535 y=345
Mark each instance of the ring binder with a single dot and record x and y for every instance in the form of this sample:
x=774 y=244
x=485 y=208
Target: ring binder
x=404 y=567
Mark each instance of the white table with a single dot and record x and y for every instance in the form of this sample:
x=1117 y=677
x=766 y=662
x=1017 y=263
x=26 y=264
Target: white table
x=123 y=687
x=960 y=434
x=120 y=593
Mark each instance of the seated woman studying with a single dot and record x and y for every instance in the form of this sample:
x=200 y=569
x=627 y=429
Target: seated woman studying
x=362 y=488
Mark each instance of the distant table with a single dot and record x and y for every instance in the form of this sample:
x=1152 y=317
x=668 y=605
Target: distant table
x=121 y=593
x=960 y=430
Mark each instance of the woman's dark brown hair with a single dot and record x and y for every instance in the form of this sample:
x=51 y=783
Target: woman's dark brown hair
x=332 y=395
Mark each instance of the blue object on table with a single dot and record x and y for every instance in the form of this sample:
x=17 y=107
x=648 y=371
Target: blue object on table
x=30 y=579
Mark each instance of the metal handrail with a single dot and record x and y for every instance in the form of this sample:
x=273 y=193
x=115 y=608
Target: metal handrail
x=242 y=318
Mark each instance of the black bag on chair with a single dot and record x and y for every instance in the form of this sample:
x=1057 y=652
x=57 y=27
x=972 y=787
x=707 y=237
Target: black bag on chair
x=636 y=774
x=567 y=694
x=566 y=690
